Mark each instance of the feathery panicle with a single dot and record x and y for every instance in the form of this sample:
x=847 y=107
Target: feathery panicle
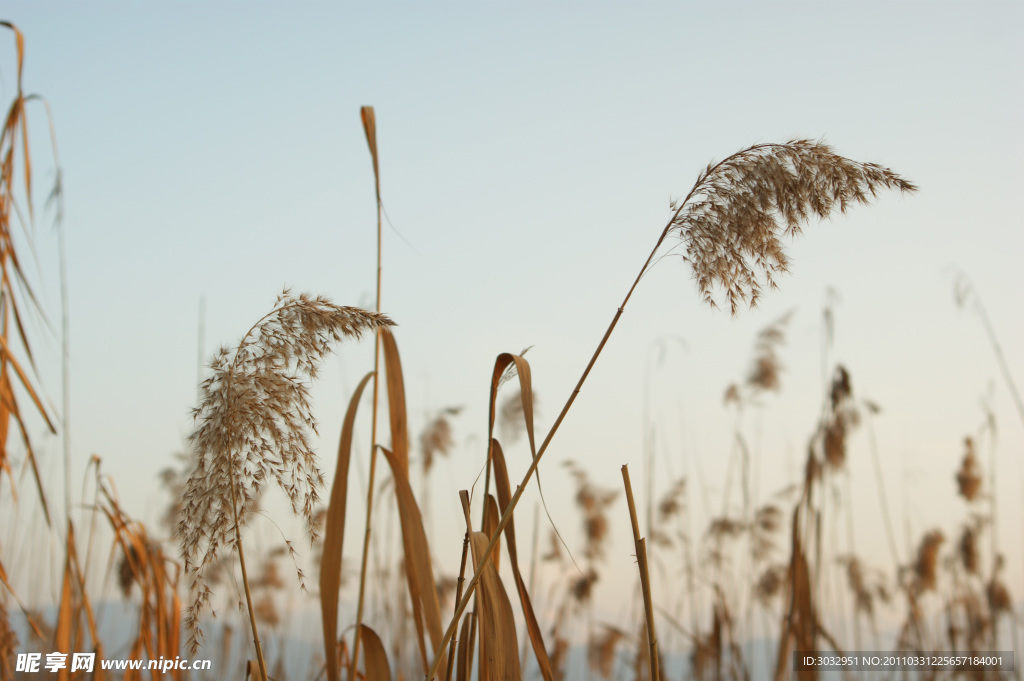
x=253 y=425
x=926 y=565
x=436 y=438
x=764 y=374
x=733 y=218
x=968 y=478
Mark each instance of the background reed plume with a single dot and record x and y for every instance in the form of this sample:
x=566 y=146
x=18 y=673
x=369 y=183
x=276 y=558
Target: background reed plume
x=253 y=426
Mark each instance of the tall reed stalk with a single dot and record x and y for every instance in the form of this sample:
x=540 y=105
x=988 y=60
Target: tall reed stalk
x=370 y=127
x=730 y=224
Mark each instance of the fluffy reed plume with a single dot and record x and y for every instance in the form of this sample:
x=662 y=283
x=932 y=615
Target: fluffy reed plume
x=766 y=524
x=513 y=424
x=770 y=583
x=842 y=418
x=670 y=506
x=967 y=546
x=996 y=592
x=764 y=374
x=593 y=502
x=601 y=652
x=926 y=564
x=436 y=439
x=867 y=586
x=968 y=478
x=733 y=219
x=253 y=425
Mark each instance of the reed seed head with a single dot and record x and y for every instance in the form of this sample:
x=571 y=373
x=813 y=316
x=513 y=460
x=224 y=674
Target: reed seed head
x=253 y=425
x=925 y=567
x=732 y=221
x=968 y=478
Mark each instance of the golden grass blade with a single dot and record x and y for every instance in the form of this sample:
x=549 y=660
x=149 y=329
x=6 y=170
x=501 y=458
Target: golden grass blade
x=396 y=401
x=334 y=537
x=62 y=633
x=85 y=604
x=467 y=635
x=419 y=570
x=25 y=382
x=374 y=656
x=10 y=408
x=499 y=648
x=501 y=481
x=370 y=128
x=504 y=365
x=24 y=611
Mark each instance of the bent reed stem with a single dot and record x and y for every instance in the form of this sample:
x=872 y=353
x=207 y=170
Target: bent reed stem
x=370 y=127
x=506 y=516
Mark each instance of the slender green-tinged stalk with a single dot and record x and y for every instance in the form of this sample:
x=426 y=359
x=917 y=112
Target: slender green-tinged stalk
x=370 y=127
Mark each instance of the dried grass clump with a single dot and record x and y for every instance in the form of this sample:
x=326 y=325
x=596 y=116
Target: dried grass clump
x=968 y=478
x=998 y=595
x=925 y=567
x=254 y=420
x=732 y=221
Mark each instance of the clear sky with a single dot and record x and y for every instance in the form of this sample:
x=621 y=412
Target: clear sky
x=528 y=157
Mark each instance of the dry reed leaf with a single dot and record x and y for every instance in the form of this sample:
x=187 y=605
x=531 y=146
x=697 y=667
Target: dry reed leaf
x=370 y=128
x=464 y=666
x=62 y=634
x=253 y=426
x=334 y=537
x=499 y=649
x=419 y=569
x=375 y=658
x=491 y=526
x=502 y=486
x=396 y=400
x=502 y=363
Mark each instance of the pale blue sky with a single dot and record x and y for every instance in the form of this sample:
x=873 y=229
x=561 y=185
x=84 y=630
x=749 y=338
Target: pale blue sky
x=528 y=155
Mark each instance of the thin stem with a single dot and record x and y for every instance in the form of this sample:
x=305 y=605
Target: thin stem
x=245 y=577
x=464 y=497
x=506 y=516
x=373 y=426
x=645 y=578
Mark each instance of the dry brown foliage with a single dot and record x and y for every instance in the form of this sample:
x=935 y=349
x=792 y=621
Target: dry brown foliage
x=253 y=425
x=601 y=652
